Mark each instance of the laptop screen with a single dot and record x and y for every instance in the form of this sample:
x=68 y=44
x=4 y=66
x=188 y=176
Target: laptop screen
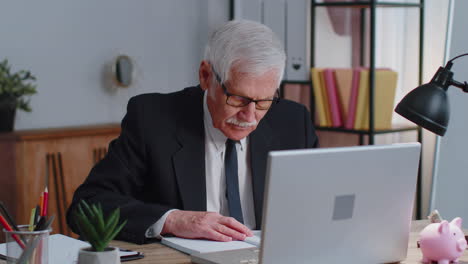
x=336 y=204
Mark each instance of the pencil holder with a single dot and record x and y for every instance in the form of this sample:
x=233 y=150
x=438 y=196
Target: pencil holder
x=26 y=246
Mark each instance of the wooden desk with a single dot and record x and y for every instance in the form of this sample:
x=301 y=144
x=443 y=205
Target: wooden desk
x=160 y=254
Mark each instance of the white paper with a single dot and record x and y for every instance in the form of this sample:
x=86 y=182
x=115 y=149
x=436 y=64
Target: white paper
x=63 y=249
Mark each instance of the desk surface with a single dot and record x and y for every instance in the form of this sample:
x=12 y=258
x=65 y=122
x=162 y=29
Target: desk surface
x=157 y=253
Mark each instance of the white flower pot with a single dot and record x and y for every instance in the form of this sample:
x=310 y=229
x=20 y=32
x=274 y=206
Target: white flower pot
x=109 y=256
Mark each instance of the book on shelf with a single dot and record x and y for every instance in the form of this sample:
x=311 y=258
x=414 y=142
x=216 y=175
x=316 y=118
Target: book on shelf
x=352 y=100
x=319 y=97
x=325 y=99
x=362 y=99
x=199 y=246
x=344 y=81
x=333 y=100
x=384 y=96
x=342 y=97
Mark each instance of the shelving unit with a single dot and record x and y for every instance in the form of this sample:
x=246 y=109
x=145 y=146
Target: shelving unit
x=285 y=82
x=372 y=5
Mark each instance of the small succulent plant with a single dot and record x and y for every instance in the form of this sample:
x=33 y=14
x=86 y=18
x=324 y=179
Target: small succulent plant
x=94 y=228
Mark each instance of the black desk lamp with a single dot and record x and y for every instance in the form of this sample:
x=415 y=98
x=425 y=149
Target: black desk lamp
x=428 y=105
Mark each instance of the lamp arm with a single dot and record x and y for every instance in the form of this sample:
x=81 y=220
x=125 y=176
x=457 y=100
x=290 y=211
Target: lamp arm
x=451 y=81
x=463 y=86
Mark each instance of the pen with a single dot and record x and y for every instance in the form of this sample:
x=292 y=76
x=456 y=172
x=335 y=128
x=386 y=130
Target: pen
x=8 y=228
x=39 y=224
x=8 y=216
x=36 y=214
x=9 y=219
x=48 y=223
x=43 y=224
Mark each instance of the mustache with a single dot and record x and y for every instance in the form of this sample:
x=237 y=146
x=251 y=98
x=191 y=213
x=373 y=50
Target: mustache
x=236 y=122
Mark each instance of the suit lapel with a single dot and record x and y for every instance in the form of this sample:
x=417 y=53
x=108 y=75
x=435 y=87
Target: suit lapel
x=189 y=160
x=260 y=142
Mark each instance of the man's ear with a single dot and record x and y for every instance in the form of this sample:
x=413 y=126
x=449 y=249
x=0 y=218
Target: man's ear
x=205 y=75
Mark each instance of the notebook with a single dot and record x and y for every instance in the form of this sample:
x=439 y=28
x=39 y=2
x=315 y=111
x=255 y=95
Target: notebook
x=198 y=246
x=64 y=249
x=334 y=205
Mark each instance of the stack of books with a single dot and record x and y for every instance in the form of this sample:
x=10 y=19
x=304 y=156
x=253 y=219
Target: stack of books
x=342 y=97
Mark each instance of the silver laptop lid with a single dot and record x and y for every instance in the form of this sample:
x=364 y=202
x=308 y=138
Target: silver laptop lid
x=350 y=205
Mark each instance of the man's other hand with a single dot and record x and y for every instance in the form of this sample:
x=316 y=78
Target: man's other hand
x=206 y=225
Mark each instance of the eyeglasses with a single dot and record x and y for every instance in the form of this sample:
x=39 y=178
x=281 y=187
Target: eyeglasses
x=241 y=101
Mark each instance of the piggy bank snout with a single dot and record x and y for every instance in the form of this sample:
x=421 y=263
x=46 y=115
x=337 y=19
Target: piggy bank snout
x=461 y=244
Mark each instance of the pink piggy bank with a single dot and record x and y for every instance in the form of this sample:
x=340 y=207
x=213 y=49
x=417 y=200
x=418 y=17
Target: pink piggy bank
x=442 y=242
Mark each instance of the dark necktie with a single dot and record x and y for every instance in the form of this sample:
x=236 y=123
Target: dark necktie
x=232 y=181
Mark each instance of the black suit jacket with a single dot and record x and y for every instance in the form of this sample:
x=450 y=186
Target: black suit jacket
x=158 y=161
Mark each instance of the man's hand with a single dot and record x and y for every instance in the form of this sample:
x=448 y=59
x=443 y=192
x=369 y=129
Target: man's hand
x=207 y=225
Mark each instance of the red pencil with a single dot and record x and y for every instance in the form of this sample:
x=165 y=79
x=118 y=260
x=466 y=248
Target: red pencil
x=45 y=203
x=8 y=228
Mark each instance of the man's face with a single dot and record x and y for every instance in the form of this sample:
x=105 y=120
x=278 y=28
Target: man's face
x=237 y=122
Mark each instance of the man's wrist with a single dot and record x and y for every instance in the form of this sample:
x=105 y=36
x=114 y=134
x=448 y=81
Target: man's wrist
x=167 y=227
x=155 y=230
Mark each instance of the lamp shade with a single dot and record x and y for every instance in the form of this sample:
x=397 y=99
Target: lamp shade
x=427 y=106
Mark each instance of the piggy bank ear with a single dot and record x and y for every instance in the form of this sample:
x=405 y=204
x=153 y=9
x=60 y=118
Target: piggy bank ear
x=457 y=221
x=444 y=227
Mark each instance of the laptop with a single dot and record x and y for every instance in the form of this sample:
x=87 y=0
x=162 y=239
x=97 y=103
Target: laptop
x=334 y=205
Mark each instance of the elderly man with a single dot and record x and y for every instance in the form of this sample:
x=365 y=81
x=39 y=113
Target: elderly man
x=192 y=163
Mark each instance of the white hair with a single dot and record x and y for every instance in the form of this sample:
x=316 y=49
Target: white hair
x=249 y=46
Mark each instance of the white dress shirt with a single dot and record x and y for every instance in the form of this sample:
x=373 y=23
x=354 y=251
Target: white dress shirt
x=216 y=201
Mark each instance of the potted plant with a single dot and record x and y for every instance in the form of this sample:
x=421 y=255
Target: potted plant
x=98 y=231
x=14 y=88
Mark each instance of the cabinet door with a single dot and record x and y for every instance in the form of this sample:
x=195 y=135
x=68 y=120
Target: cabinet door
x=60 y=159
x=32 y=176
x=61 y=164
x=76 y=158
x=8 y=187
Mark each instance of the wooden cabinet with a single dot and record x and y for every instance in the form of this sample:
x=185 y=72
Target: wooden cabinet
x=59 y=158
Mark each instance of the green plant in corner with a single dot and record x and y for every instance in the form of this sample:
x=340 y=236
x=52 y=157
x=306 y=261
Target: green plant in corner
x=94 y=228
x=14 y=87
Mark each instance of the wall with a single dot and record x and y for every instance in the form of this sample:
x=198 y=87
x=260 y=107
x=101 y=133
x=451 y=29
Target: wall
x=450 y=177
x=434 y=51
x=69 y=45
